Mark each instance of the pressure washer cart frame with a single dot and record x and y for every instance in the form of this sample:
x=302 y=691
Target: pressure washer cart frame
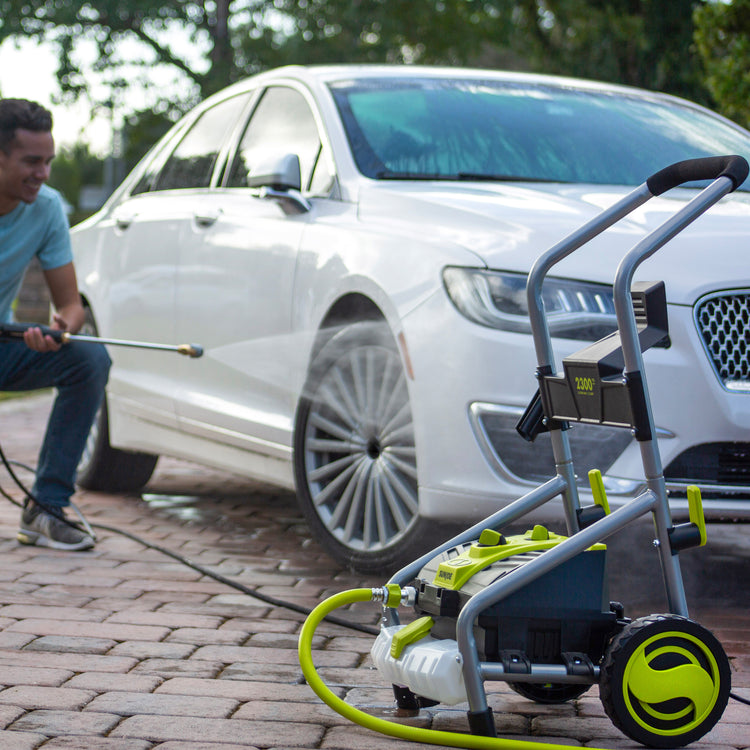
x=531 y=610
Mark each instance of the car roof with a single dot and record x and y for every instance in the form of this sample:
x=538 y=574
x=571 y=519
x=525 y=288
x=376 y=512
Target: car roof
x=326 y=74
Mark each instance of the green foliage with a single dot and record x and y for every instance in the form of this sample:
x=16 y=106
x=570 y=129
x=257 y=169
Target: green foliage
x=204 y=46
x=645 y=43
x=71 y=170
x=722 y=35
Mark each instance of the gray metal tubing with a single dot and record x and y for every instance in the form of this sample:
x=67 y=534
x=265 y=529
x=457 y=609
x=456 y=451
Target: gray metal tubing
x=565 y=468
x=644 y=249
x=541 y=335
x=524 y=575
x=539 y=327
x=539 y=673
x=633 y=358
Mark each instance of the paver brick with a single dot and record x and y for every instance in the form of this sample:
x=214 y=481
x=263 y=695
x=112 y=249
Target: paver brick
x=73 y=662
x=56 y=723
x=114 y=631
x=132 y=704
x=103 y=682
x=148 y=650
x=243 y=690
x=37 y=696
x=166 y=619
x=20 y=740
x=78 y=645
x=234 y=654
x=260 y=733
x=38 y=611
x=95 y=743
x=10 y=675
x=8 y=714
x=172 y=667
x=207 y=636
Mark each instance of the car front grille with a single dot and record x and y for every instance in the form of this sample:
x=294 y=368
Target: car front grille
x=725 y=465
x=724 y=324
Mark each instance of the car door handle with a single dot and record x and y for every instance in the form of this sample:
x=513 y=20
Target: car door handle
x=123 y=221
x=207 y=218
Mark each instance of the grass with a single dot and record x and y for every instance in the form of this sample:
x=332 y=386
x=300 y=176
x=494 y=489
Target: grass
x=8 y=395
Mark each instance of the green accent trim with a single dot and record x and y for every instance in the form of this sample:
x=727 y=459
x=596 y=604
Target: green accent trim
x=650 y=686
x=490 y=538
x=454 y=573
x=598 y=491
x=695 y=505
x=394 y=595
x=410 y=633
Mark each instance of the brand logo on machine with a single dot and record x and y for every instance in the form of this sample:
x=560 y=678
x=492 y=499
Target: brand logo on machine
x=446 y=576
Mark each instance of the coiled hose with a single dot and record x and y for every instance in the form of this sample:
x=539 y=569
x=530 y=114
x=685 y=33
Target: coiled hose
x=390 y=728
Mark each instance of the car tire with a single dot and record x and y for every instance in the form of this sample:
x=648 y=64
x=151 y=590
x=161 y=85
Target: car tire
x=355 y=453
x=103 y=467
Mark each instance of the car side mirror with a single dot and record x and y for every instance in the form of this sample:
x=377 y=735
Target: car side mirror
x=279 y=173
x=280 y=179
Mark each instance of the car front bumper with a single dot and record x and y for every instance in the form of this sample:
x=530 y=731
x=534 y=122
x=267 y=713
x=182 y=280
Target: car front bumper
x=471 y=384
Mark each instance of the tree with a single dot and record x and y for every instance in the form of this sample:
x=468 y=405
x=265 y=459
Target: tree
x=206 y=44
x=722 y=35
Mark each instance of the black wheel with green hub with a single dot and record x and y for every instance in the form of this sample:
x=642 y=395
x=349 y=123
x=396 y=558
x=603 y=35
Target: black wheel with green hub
x=665 y=681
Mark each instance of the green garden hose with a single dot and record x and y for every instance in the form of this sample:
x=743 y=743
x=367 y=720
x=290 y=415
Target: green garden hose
x=390 y=728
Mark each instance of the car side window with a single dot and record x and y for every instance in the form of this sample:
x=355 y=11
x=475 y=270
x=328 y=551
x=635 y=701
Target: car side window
x=192 y=163
x=281 y=124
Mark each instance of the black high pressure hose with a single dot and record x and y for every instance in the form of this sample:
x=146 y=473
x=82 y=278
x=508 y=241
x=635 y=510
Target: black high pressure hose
x=270 y=600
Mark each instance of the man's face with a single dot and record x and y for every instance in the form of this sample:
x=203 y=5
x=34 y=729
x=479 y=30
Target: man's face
x=25 y=169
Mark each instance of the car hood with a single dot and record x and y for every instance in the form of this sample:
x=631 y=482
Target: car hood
x=507 y=226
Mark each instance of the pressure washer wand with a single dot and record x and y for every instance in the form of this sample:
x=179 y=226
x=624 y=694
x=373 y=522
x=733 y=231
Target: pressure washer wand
x=16 y=331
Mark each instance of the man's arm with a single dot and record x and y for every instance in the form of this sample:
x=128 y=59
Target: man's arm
x=69 y=314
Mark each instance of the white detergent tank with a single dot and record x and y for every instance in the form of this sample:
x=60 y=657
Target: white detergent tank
x=429 y=667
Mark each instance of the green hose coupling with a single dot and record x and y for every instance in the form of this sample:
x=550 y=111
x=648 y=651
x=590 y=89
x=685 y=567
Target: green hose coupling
x=392 y=595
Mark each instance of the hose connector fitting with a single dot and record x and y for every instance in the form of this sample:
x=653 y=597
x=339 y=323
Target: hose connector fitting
x=392 y=595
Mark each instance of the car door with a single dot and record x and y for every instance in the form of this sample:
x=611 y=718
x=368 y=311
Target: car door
x=237 y=263
x=141 y=260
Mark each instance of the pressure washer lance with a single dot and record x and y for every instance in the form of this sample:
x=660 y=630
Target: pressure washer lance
x=16 y=331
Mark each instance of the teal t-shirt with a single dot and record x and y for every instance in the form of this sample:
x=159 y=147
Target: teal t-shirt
x=39 y=228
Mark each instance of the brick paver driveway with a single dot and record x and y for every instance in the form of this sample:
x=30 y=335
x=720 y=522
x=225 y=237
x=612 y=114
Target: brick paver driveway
x=125 y=648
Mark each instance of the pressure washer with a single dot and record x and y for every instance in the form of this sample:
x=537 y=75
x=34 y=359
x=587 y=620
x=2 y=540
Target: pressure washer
x=532 y=610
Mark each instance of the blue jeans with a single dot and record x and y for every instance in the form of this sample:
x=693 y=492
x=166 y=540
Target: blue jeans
x=79 y=372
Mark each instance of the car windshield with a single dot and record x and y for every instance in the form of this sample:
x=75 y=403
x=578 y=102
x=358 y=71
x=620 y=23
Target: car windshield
x=471 y=129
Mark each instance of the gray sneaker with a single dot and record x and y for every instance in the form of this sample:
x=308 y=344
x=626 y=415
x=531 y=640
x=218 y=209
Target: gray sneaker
x=51 y=530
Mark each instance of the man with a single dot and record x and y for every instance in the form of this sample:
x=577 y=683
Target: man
x=33 y=223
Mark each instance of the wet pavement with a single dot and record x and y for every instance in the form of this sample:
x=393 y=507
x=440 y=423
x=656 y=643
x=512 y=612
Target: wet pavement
x=127 y=648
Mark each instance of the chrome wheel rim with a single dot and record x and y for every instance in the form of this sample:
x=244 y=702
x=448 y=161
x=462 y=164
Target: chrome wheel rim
x=359 y=450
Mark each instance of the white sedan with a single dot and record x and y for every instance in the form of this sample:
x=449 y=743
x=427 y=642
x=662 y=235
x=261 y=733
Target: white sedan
x=350 y=246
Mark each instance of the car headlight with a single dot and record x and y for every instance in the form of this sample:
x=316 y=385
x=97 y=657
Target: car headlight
x=497 y=299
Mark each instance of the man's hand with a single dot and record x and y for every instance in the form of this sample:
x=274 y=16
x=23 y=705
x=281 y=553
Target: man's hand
x=36 y=340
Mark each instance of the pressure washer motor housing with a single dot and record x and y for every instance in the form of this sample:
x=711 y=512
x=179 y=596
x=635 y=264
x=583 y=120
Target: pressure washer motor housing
x=564 y=618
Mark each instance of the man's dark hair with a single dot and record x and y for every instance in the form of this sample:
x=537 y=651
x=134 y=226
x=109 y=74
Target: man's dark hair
x=21 y=114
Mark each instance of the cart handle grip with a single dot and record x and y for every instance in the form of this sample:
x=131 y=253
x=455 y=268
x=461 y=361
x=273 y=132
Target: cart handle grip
x=708 y=168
